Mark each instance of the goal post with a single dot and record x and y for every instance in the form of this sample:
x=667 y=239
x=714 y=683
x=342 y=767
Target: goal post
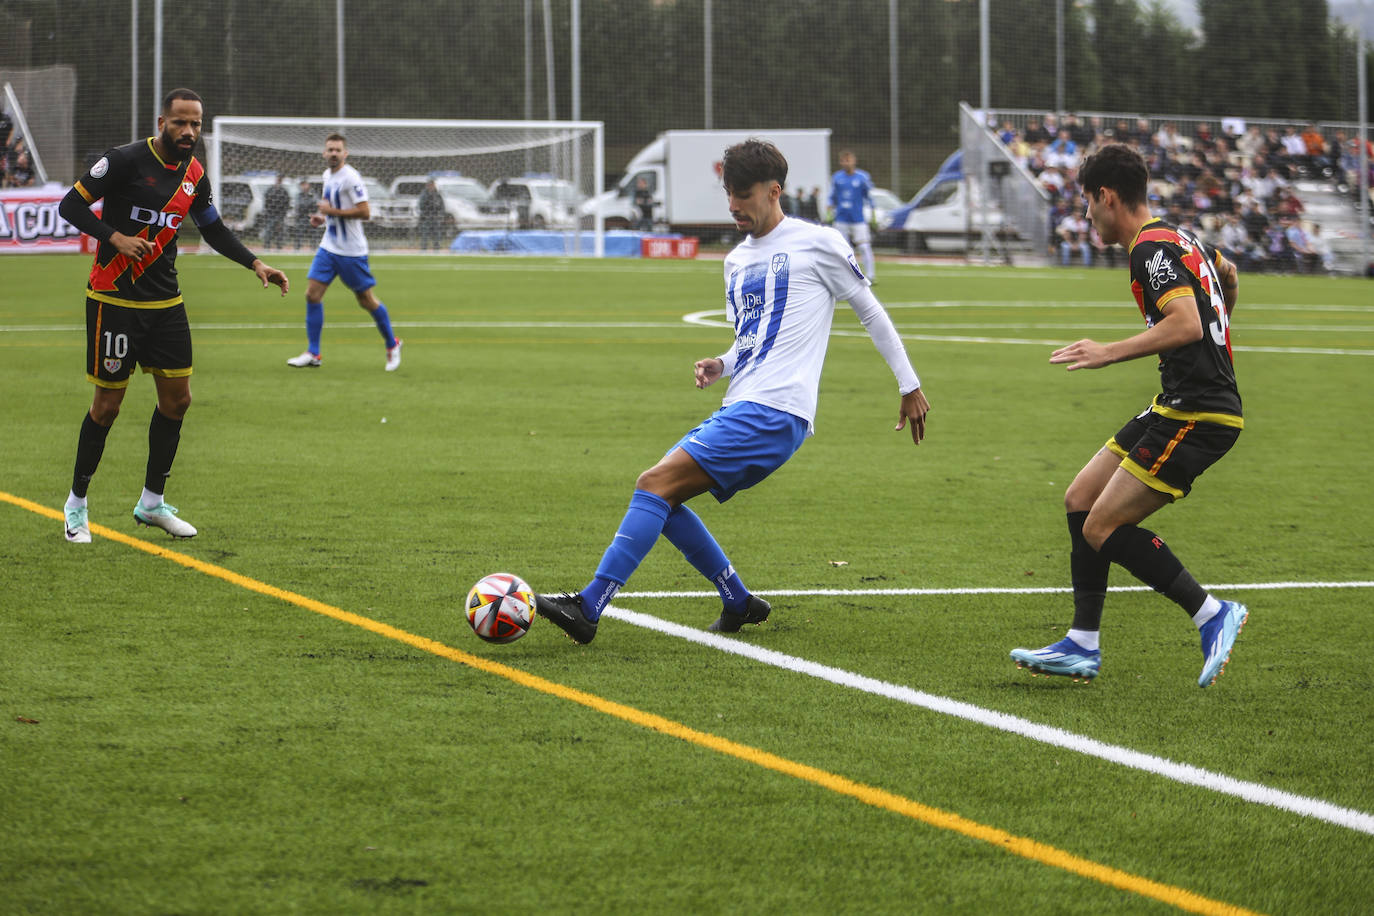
x=507 y=186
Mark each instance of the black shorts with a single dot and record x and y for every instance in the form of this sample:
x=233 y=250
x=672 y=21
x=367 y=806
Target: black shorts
x=117 y=336
x=1168 y=454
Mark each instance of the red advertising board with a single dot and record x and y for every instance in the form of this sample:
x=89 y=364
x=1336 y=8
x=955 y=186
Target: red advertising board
x=661 y=247
x=29 y=222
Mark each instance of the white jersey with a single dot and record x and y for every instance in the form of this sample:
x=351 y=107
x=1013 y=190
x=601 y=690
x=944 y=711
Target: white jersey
x=780 y=293
x=344 y=189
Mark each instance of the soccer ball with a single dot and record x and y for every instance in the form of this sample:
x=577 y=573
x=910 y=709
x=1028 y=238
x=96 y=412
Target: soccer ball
x=501 y=608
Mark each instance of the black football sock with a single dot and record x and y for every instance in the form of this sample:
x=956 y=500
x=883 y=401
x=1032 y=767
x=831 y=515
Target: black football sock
x=1151 y=561
x=1088 y=570
x=90 y=445
x=163 y=436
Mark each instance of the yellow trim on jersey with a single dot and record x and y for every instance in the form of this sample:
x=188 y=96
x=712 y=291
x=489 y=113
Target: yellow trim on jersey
x=135 y=303
x=1151 y=481
x=1114 y=448
x=1171 y=295
x=168 y=373
x=1199 y=416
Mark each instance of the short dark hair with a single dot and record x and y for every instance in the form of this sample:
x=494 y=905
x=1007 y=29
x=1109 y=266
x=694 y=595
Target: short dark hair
x=746 y=164
x=189 y=95
x=336 y=136
x=1120 y=168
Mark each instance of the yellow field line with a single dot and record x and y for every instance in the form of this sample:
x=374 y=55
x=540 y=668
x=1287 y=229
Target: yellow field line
x=869 y=795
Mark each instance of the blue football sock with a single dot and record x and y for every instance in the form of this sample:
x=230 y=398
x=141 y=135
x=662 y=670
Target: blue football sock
x=688 y=533
x=638 y=532
x=384 y=325
x=314 y=324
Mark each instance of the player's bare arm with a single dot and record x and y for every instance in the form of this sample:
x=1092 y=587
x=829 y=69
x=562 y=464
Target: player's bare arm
x=1230 y=283
x=914 y=408
x=1180 y=326
x=708 y=371
x=362 y=211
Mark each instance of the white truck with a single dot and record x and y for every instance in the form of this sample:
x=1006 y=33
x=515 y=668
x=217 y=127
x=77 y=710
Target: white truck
x=682 y=171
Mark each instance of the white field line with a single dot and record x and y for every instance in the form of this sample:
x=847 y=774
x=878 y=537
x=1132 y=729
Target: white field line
x=1046 y=734
x=1009 y=590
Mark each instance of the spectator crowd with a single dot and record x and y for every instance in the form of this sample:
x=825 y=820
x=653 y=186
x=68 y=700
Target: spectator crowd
x=16 y=165
x=1234 y=190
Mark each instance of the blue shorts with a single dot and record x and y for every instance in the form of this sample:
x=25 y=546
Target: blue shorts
x=742 y=443
x=354 y=272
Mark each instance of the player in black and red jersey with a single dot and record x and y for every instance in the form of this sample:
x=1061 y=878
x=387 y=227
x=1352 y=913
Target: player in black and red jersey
x=134 y=310
x=1186 y=291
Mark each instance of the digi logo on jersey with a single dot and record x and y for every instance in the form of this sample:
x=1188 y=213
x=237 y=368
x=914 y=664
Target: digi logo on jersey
x=155 y=217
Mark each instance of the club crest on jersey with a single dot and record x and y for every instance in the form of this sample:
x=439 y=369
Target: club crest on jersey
x=112 y=365
x=188 y=189
x=1159 y=270
x=779 y=263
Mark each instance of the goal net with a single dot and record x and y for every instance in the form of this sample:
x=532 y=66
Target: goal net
x=506 y=186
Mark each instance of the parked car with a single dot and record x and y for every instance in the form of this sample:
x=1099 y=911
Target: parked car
x=535 y=202
x=240 y=198
x=463 y=199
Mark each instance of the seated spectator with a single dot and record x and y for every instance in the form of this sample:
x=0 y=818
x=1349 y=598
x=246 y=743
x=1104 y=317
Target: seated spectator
x=1168 y=139
x=20 y=173
x=1235 y=243
x=1035 y=133
x=1278 y=252
x=1305 y=257
x=1062 y=154
x=1315 y=149
x=1321 y=247
x=1251 y=143
x=1286 y=203
x=1073 y=235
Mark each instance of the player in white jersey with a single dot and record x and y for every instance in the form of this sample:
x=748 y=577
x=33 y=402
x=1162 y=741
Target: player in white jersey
x=781 y=285
x=343 y=254
x=850 y=199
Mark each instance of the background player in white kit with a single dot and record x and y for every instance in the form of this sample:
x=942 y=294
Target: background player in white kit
x=343 y=254
x=851 y=197
x=781 y=285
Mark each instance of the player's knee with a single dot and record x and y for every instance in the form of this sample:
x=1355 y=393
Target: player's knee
x=104 y=414
x=1096 y=531
x=174 y=407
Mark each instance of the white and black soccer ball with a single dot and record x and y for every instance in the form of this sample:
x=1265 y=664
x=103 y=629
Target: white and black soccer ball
x=501 y=608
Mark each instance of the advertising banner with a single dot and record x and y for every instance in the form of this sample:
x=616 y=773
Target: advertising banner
x=29 y=222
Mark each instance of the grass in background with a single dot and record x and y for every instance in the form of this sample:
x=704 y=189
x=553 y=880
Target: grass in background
x=202 y=748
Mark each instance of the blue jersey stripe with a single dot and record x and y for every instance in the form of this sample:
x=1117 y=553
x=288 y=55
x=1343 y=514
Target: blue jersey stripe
x=748 y=302
x=779 y=306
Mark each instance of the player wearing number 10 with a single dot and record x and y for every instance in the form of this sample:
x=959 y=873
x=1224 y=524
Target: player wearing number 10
x=1186 y=291
x=134 y=310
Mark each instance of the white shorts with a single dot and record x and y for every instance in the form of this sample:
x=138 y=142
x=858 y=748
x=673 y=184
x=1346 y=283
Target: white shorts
x=856 y=233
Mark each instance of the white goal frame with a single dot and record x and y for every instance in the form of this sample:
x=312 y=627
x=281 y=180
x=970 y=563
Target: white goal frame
x=544 y=134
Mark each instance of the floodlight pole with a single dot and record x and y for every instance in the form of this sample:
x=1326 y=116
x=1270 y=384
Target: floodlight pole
x=894 y=115
x=157 y=61
x=707 y=52
x=133 y=71
x=338 y=53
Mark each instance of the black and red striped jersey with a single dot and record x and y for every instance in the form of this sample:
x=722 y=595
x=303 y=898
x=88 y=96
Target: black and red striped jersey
x=1168 y=262
x=143 y=195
